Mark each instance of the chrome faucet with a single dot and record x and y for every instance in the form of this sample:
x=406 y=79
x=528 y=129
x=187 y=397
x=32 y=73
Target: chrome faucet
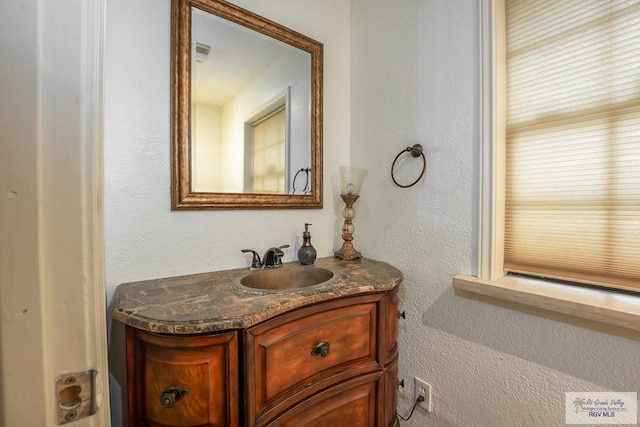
x=271 y=259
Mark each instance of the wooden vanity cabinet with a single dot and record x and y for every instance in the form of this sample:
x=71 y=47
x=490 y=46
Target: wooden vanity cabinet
x=333 y=363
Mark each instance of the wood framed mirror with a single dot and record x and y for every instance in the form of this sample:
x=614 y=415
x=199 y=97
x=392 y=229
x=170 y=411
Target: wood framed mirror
x=246 y=100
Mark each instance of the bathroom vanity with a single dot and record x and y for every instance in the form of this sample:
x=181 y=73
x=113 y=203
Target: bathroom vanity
x=205 y=350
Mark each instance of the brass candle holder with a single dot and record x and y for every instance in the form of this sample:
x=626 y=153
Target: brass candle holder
x=351 y=181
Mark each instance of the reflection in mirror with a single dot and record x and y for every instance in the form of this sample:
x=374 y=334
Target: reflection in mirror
x=247 y=110
x=250 y=109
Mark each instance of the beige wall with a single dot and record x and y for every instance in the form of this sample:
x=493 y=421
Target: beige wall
x=414 y=80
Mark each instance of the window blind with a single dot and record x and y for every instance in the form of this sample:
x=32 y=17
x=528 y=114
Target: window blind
x=572 y=183
x=269 y=144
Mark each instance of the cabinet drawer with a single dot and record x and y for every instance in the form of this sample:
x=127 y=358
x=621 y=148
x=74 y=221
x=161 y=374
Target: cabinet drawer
x=310 y=349
x=185 y=381
x=350 y=404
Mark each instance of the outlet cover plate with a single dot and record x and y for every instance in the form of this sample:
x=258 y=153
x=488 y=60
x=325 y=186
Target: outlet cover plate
x=423 y=388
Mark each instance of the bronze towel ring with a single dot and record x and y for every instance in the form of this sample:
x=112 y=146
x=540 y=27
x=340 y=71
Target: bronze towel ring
x=416 y=151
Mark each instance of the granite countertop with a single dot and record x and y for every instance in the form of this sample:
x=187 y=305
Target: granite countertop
x=216 y=301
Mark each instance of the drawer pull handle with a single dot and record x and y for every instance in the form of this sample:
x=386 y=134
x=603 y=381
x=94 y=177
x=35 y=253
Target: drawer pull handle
x=172 y=395
x=321 y=349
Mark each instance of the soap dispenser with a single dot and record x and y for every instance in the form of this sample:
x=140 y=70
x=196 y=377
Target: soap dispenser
x=306 y=253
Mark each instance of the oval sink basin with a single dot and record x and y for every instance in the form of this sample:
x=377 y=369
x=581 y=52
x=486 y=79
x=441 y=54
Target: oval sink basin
x=286 y=278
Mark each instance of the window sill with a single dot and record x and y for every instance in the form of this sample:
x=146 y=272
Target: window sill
x=622 y=310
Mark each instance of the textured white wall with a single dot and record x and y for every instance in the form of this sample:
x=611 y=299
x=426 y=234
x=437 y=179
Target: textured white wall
x=414 y=79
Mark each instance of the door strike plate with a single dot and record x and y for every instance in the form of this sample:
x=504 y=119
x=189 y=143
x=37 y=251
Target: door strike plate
x=75 y=396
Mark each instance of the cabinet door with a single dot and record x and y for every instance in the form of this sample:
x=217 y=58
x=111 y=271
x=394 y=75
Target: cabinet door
x=183 y=381
x=353 y=403
x=391 y=393
x=390 y=336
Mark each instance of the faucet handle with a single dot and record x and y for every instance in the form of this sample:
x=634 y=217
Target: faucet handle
x=256 y=264
x=278 y=254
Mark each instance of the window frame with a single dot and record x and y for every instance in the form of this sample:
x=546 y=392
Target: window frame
x=605 y=306
x=281 y=101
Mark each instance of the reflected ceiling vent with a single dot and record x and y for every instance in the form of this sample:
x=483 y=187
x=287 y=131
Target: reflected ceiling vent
x=202 y=52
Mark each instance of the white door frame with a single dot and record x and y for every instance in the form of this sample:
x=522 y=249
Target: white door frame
x=52 y=293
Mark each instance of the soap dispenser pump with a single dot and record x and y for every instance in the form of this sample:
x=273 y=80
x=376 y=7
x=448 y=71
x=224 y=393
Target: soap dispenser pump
x=306 y=253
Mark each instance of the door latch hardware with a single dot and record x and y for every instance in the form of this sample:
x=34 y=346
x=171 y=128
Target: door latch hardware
x=75 y=396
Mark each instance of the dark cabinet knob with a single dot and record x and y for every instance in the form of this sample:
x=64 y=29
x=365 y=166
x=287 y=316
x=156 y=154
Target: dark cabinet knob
x=171 y=395
x=402 y=315
x=321 y=349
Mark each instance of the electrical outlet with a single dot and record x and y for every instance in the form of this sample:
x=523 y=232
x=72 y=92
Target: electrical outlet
x=422 y=388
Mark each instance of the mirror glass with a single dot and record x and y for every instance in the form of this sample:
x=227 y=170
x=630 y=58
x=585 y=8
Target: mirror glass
x=247 y=115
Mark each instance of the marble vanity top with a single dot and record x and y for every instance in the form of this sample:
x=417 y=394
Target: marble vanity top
x=215 y=301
